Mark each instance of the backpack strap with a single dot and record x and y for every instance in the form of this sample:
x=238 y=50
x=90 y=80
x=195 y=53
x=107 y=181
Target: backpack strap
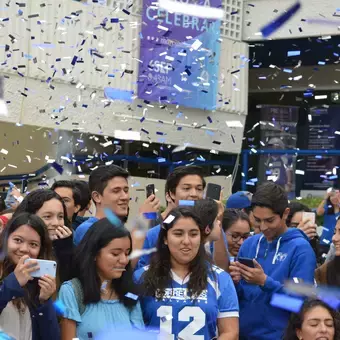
x=78 y=292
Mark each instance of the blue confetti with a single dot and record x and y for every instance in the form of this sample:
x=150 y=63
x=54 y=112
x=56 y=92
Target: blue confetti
x=58 y=167
x=286 y=302
x=117 y=94
x=150 y=215
x=131 y=296
x=59 y=307
x=186 y=203
x=273 y=26
x=116 y=221
x=293 y=53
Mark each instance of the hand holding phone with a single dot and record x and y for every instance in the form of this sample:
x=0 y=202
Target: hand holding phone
x=150 y=190
x=213 y=191
x=45 y=267
x=309 y=216
x=246 y=261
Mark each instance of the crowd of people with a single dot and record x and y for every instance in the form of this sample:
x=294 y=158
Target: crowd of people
x=200 y=269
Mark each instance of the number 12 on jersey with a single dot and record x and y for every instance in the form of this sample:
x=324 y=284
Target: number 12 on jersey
x=165 y=313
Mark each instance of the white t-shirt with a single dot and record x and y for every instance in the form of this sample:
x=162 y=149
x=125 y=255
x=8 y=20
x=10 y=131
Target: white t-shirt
x=16 y=324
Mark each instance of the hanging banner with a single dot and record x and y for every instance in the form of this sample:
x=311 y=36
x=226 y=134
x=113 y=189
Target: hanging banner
x=179 y=57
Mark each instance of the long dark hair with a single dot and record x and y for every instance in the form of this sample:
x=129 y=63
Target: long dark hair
x=36 y=199
x=296 y=319
x=7 y=266
x=99 y=236
x=158 y=276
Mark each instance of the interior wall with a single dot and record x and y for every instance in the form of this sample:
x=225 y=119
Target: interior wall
x=25 y=149
x=49 y=90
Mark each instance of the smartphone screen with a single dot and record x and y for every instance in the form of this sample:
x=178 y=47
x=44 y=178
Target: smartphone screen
x=246 y=261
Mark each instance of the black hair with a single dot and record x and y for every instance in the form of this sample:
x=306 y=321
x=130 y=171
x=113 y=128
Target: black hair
x=85 y=193
x=36 y=199
x=99 y=236
x=330 y=206
x=296 y=319
x=231 y=216
x=175 y=176
x=295 y=207
x=272 y=196
x=68 y=184
x=207 y=210
x=158 y=277
x=99 y=177
x=7 y=267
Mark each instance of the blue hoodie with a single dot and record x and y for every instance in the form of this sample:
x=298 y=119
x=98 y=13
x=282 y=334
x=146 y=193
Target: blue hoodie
x=286 y=257
x=82 y=229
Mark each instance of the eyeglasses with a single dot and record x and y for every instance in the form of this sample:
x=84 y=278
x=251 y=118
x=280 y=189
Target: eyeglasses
x=237 y=237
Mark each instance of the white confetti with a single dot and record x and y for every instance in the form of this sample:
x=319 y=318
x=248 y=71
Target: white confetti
x=4 y=151
x=178 y=88
x=169 y=219
x=196 y=45
x=140 y=252
x=191 y=9
x=299 y=172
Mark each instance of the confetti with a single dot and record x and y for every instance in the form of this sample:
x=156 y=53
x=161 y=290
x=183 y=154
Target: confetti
x=141 y=252
x=169 y=219
x=150 y=215
x=286 y=302
x=131 y=296
x=184 y=203
x=274 y=25
x=191 y=9
x=59 y=307
x=116 y=221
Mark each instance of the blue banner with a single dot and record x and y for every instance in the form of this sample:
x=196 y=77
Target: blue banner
x=179 y=57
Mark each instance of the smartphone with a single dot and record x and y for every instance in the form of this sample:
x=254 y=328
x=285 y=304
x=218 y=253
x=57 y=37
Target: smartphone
x=308 y=216
x=24 y=185
x=246 y=261
x=213 y=191
x=46 y=268
x=150 y=190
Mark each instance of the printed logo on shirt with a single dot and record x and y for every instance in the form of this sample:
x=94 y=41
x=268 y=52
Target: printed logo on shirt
x=180 y=294
x=280 y=257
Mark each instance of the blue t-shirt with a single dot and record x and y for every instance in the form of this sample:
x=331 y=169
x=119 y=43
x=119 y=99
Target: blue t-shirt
x=100 y=316
x=182 y=317
x=83 y=228
x=329 y=222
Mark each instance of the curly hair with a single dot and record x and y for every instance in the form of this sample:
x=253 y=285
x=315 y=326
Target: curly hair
x=296 y=319
x=158 y=277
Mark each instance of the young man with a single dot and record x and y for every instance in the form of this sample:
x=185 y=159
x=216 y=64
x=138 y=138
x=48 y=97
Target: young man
x=85 y=202
x=109 y=189
x=71 y=197
x=279 y=254
x=184 y=183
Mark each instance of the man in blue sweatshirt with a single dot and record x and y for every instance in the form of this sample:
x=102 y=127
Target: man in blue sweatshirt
x=110 y=189
x=279 y=254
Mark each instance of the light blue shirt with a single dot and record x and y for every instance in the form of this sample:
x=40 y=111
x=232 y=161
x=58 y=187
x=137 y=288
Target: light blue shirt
x=100 y=316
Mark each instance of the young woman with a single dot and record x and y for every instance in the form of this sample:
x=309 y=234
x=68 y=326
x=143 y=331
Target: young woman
x=329 y=272
x=102 y=292
x=185 y=297
x=329 y=208
x=26 y=310
x=49 y=206
x=295 y=220
x=236 y=226
x=316 y=320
